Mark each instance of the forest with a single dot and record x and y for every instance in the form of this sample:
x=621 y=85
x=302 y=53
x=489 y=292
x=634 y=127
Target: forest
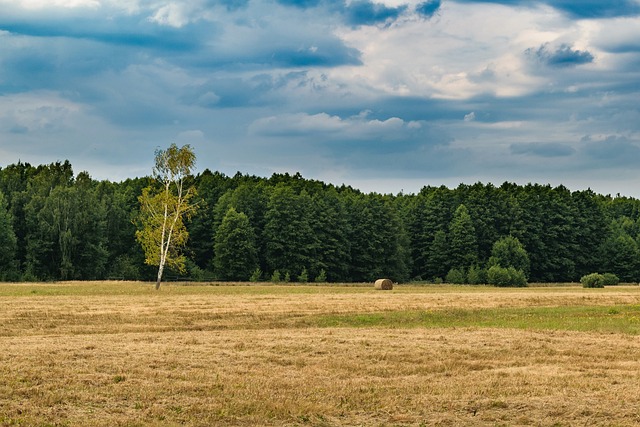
x=55 y=225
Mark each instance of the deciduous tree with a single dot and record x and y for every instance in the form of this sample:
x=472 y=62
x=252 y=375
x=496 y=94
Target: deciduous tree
x=165 y=207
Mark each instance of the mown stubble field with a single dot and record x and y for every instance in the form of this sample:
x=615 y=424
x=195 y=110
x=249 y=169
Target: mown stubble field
x=108 y=354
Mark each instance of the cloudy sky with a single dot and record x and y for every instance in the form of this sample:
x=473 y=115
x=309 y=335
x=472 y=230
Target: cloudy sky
x=384 y=95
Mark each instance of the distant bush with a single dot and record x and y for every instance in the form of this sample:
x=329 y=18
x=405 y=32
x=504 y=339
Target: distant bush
x=593 y=280
x=256 y=276
x=438 y=281
x=287 y=277
x=506 y=277
x=195 y=273
x=304 y=276
x=321 y=277
x=456 y=276
x=610 y=279
x=275 y=277
x=476 y=275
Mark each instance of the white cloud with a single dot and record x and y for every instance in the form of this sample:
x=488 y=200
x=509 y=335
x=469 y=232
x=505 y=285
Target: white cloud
x=36 y=111
x=297 y=124
x=172 y=14
x=470 y=50
x=264 y=86
x=47 y=4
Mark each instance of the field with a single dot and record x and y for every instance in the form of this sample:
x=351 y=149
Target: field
x=109 y=354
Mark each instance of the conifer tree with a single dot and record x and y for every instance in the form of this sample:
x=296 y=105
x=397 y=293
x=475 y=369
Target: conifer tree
x=7 y=243
x=235 y=251
x=462 y=240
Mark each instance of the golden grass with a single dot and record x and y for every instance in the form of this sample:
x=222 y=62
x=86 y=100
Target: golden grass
x=108 y=354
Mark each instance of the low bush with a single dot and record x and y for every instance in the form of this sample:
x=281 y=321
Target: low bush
x=321 y=277
x=304 y=276
x=256 y=276
x=506 y=277
x=610 y=279
x=593 y=280
x=476 y=275
x=456 y=277
x=275 y=277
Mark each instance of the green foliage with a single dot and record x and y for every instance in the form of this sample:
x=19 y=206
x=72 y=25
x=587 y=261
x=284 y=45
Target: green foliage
x=610 y=279
x=621 y=256
x=54 y=226
x=506 y=277
x=463 y=247
x=275 y=277
x=456 y=276
x=378 y=239
x=162 y=233
x=287 y=277
x=235 y=253
x=256 y=276
x=593 y=280
x=476 y=275
x=8 y=244
x=304 y=276
x=438 y=260
x=290 y=240
x=321 y=277
x=124 y=268
x=509 y=252
x=195 y=273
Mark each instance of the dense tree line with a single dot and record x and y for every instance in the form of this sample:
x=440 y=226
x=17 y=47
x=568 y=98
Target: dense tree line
x=55 y=225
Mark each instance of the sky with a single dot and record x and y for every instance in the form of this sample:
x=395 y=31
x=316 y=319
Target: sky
x=385 y=96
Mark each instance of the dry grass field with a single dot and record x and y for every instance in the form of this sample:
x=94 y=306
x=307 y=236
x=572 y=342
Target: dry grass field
x=122 y=354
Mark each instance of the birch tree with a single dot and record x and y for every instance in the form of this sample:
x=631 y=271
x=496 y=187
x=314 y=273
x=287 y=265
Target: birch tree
x=164 y=207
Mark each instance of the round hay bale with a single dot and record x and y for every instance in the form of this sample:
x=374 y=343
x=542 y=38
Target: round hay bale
x=384 y=285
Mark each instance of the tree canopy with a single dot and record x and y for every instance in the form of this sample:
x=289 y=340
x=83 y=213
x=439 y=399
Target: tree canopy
x=57 y=225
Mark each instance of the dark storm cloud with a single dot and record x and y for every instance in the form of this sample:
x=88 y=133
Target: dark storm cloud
x=145 y=34
x=597 y=8
x=580 y=9
x=357 y=88
x=428 y=8
x=563 y=56
x=301 y=3
x=355 y=13
x=364 y=12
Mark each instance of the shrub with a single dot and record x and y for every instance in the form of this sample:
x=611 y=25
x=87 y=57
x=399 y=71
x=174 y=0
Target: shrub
x=287 y=277
x=610 y=279
x=304 y=276
x=195 y=273
x=509 y=252
x=593 y=280
x=275 y=277
x=456 y=276
x=256 y=276
x=321 y=277
x=476 y=275
x=506 y=277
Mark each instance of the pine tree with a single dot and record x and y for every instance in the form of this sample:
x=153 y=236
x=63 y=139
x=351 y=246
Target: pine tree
x=236 y=257
x=462 y=240
x=7 y=243
x=439 y=262
x=290 y=242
